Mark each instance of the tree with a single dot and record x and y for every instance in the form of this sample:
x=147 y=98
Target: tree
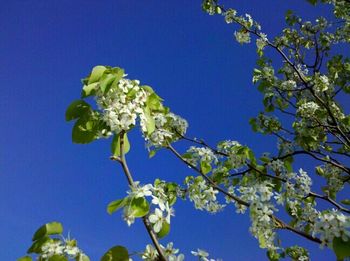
x=302 y=97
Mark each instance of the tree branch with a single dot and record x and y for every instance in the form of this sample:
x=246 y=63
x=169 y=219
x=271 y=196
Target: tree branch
x=282 y=224
x=131 y=182
x=326 y=198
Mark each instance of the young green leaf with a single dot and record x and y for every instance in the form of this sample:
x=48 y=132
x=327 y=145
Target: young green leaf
x=205 y=167
x=82 y=257
x=107 y=82
x=77 y=109
x=96 y=74
x=115 y=146
x=115 y=205
x=341 y=248
x=36 y=246
x=89 y=90
x=164 y=231
x=151 y=154
x=150 y=123
x=52 y=228
x=345 y=201
x=117 y=253
x=140 y=207
x=84 y=130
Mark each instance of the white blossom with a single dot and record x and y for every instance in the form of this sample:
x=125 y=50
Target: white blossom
x=242 y=37
x=157 y=220
x=331 y=224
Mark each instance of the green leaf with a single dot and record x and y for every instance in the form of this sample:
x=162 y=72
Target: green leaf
x=147 y=88
x=164 y=231
x=77 y=109
x=151 y=154
x=313 y=2
x=89 y=90
x=96 y=74
x=341 y=248
x=36 y=246
x=139 y=206
x=106 y=83
x=25 y=258
x=118 y=72
x=115 y=205
x=154 y=102
x=57 y=258
x=84 y=130
x=117 y=253
x=345 y=201
x=82 y=257
x=235 y=181
x=273 y=255
x=253 y=124
x=251 y=156
x=205 y=167
x=115 y=146
x=278 y=185
x=288 y=163
x=52 y=228
x=150 y=123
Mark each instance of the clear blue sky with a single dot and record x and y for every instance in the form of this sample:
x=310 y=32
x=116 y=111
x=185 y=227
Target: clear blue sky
x=188 y=57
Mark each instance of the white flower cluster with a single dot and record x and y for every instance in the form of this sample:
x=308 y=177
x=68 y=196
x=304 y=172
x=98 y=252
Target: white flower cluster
x=331 y=224
x=168 y=128
x=261 y=210
x=334 y=177
x=261 y=42
x=202 y=255
x=202 y=195
x=285 y=147
x=262 y=226
x=297 y=186
x=171 y=253
x=121 y=106
x=308 y=109
x=242 y=37
x=321 y=83
x=52 y=248
x=304 y=213
x=230 y=15
x=128 y=102
x=230 y=147
x=163 y=210
x=302 y=69
x=298 y=253
x=199 y=154
x=277 y=166
x=240 y=209
x=337 y=111
x=288 y=85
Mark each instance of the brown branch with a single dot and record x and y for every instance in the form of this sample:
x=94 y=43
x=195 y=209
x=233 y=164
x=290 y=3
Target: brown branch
x=328 y=199
x=131 y=182
x=338 y=165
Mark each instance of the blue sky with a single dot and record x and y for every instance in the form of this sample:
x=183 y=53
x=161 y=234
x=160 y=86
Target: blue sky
x=187 y=56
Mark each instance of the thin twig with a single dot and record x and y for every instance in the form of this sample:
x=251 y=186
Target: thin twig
x=326 y=198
